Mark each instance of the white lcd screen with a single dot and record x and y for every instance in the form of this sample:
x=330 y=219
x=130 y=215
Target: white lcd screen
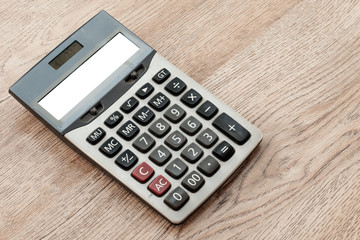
x=88 y=76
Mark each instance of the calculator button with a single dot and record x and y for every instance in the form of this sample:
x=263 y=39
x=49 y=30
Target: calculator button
x=159 y=128
x=126 y=160
x=175 y=140
x=192 y=153
x=161 y=76
x=159 y=102
x=129 y=105
x=144 y=143
x=207 y=138
x=176 y=168
x=96 y=136
x=159 y=186
x=160 y=155
x=209 y=166
x=175 y=114
x=175 y=86
x=110 y=147
x=193 y=182
x=224 y=151
x=144 y=116
x=225 y=124
x=145 y=91
x=177 y=199
x=191 y=98
x=191 y=126
x=143 y=172
x=207 y=110
x=128 y=131
x=114 y=119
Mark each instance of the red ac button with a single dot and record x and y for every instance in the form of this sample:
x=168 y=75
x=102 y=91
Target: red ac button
x=159 y=186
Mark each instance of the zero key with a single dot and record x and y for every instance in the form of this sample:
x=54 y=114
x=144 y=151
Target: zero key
x=228 y=126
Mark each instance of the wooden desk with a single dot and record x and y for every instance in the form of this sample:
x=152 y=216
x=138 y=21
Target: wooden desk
x=292 y=68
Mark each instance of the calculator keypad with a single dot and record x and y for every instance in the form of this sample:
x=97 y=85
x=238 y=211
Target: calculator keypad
x=179 y=154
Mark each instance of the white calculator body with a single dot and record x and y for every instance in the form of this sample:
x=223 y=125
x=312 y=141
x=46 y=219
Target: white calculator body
x=117 y=102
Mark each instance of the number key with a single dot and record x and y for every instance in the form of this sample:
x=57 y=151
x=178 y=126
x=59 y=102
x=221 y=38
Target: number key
x=207 y=138
x=176 y=168
x=159 y=128
x=175 y=140
x=193 y=182
x=192 y=153
x=177 y=198
x=191 y=126
x=160 y=155
x=144 y=143
x=175 y=114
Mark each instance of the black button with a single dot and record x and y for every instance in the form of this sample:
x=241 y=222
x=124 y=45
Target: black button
x=224 y=151
x=159 y=128
x=126 y=160
x=145 y=91
x=128 y=131
x=114 y=119
x=176 y=168
x=177 y=199
x=207 y=138
x=160 y=155
x=175 y=140
x=192 y=153
x=175 y=114
x=110 y=147
x=129 y=105
x=207 y=110
x=191 y=126
x=191 y=98
x=209 y=166
x=159 y=102
x=161 y=76
x=144 y=143
x=225 y=124
x=175 y=86
x=144 y=116
x=193 y=182
x=96 y=136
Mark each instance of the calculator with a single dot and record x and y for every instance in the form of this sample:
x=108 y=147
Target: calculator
x=117 y=102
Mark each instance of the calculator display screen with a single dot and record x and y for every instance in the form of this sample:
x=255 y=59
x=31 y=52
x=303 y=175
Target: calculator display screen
x=86 y=78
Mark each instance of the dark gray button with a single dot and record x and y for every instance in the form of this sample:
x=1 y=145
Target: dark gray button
x=160 y=155
x=177 y=198
x=207 y=138
x=126 y=160
x=129 y=105
x=114 y=119
x=159 y=102
x=227 y=125
x=96 y=136
x=145 y=91
x=207 y=110
x=175 y=114
x=176 y=168
x=175 y=140
x=224 y=151
x=128 y=131
x=161 y=76
x=160 y=128
x=144 y=116
x=209 y=166
x=192 y=153
x=144 y=143
x=193 y=182
x=110 y=147
x=175 y=86
x=191 y=126
x=191 y=98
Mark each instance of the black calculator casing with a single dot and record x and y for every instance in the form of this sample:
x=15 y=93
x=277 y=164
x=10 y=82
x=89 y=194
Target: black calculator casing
x=95 y=109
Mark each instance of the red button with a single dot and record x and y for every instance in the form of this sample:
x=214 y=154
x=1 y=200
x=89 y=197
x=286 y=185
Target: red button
x=143 y=172
x=159 y=186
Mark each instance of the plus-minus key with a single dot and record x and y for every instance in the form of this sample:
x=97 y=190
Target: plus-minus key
x=227 y=125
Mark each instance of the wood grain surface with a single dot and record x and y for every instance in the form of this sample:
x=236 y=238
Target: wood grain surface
x=292 y=68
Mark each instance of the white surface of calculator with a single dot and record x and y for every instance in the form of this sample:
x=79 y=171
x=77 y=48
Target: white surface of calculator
x=118 y=103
